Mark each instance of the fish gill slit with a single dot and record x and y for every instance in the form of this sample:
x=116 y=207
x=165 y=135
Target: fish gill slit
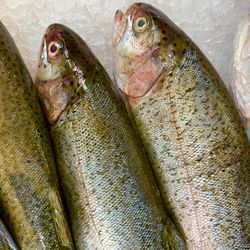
x=181 y=156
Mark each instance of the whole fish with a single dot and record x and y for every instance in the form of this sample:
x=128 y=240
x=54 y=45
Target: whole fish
x=240 y=71
x=189 y=127
x=30 y=203
x=6 y=241
x=111 y=195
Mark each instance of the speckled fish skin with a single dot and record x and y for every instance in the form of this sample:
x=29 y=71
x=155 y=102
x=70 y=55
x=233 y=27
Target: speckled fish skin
x=30 y=204
x=6 y=241
x=189 y=127
x=109 y=188
x=240 y=71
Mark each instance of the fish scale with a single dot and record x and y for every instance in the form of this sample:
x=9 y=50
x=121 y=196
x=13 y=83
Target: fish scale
x=30 y=203
x=110 y=191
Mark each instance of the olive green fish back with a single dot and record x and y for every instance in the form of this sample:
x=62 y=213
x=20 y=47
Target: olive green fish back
x=29 y=198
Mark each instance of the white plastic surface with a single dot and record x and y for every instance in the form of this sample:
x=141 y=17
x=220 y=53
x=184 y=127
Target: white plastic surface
x=210 y=23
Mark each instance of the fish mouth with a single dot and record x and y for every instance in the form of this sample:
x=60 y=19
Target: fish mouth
x=119 y=27
x=55 y=27
x=118 y=16
x=54 y=32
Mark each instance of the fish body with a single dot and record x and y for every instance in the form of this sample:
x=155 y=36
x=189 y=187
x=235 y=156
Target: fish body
x=6 y=241
x=189 y=128
x=240 y=71
x=111 y=195
x=30 y=204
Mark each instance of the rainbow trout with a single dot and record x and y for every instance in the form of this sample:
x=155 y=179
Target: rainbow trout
x=189 y=127
x=30 y=203
x=6 y=242
x=112 y=199
x=240 y=72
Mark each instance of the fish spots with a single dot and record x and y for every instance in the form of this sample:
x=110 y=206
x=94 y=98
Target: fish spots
x=172 y=53
x=195 y=91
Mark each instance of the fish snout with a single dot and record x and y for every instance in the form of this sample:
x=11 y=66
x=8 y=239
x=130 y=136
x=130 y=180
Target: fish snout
x=118 y=27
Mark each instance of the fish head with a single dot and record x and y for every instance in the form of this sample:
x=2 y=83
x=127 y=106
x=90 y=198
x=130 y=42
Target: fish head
x=65 y=64
x=145 y=44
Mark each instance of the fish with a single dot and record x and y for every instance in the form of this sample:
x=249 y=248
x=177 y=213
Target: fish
x=30 y=201
x=109 y=188
x=189 y=128
x=6 y=241
x=240 y=72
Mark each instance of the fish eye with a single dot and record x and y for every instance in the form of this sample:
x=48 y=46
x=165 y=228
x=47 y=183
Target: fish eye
x=140 y=24
x=54 y=49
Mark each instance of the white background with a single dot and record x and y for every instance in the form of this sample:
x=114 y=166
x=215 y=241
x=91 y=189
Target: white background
x=210 y=23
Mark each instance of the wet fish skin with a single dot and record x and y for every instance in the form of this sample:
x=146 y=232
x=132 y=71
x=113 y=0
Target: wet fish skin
x=112 y=199
x=30 y=203
x=240 y=71
x=189 y=127
x=6 y=241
